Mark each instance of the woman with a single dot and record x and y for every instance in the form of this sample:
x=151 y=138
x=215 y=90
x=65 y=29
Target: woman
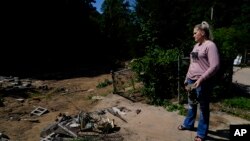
x=204 y=63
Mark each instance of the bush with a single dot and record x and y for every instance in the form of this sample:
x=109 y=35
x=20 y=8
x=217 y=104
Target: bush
x=158 y=71
x=103 y=84
x=229 y=43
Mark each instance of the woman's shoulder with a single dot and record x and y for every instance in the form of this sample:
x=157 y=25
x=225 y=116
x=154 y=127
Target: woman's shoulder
x=210 y=43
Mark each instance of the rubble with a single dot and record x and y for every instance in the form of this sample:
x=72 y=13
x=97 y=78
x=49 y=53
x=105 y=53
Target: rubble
x=4 y=137
x=10 y=83
x=39 y=111
x=84 y=124
x=15 y=83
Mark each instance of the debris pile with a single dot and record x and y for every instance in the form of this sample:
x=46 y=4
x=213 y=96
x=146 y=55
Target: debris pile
x=3 y=137
x=14 y=83
x=84 y=125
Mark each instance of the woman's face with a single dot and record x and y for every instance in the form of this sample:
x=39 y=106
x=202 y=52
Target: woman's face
x=198 y=35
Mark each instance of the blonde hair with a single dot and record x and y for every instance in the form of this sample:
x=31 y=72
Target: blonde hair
x=206 y=28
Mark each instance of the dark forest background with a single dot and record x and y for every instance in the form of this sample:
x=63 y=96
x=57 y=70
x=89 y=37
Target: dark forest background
x=62 y=35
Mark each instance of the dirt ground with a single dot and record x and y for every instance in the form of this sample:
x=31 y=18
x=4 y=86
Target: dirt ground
x=59 y=96
x=142 y=122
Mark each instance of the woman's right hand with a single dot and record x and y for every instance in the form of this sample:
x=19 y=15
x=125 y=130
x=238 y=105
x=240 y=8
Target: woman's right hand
x=185 y=82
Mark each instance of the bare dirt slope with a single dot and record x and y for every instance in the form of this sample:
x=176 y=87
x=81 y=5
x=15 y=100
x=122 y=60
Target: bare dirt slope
x=61 y=96
x=141 y=122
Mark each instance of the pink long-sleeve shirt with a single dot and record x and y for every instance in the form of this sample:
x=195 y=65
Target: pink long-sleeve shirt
x=204 y=61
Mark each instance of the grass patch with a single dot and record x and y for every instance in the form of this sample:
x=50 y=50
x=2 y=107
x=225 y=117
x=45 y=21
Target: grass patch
x=169 y=106
x=245 y=114
x=177 y=107
x=105 y=83
x=238 y=106
x=238 y=102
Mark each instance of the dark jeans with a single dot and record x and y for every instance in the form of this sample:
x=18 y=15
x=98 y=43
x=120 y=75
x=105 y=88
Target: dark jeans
x=203 y=93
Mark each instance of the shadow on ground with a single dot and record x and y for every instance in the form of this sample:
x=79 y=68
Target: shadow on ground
x=57 y=72
x=218 y=135
x=234 y=90
x=242 y=89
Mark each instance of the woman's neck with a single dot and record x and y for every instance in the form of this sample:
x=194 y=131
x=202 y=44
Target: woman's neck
x=202 y=41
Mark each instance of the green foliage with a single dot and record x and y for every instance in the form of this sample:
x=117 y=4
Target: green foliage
x=172 y=107
x=168 y=20
x=238 y=106
x=182 y=111
x=241 y=22
x=118 y=28
x=229 y=41
x=103 y=84
x=238 y=102
x=176 y=107
x=164 y=25
x=157 y=70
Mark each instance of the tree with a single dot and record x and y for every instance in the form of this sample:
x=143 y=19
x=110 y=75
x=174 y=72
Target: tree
x=168 y=24
x=117 y=27
x=49 y=32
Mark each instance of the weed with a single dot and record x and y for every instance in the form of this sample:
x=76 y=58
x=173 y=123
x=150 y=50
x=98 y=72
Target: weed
x=103 y=84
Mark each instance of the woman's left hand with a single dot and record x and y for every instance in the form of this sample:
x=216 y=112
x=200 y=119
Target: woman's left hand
x=197 y=83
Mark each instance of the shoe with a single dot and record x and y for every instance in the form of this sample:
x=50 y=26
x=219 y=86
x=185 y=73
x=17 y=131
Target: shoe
x=182 y=127
x=197 y=138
